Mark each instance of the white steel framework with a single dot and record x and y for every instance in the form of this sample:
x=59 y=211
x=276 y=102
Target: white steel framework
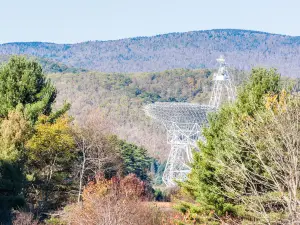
x=222 y=81
x=184 y=122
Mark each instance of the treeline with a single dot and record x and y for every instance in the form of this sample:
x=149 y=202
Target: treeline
x=190 y=50
x=120 y=98
x=247 y=171
x=47 y=160
x=48 y=65
x=55 y=170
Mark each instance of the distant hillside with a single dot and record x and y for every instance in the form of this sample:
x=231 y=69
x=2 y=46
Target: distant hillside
x=119 y=97
x=199 y=49
x=49 y=65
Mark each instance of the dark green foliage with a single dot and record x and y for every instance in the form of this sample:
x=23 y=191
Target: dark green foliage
x=50 y=66
x=55 y=115
x=11 y=181
x=26 y=94
x=116 y=81
x=135 y=160
x=202 y=184
x=158 y=195
x=150 y=97
x=159 y=170
x=22 y=82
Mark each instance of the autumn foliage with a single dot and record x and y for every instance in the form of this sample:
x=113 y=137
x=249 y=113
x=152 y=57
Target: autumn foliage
x=115 y=201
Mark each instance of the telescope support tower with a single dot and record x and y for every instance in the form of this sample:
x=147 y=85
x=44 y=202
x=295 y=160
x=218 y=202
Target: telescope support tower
x=184 y=122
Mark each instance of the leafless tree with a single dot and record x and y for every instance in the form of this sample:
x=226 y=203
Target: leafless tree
x=267 y=182
x=97 y=149
x=115 y=202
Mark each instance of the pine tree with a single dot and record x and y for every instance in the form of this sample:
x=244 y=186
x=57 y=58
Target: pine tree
x=135 y=160
x=202 y=184
x=25 y=95
x=23 y=84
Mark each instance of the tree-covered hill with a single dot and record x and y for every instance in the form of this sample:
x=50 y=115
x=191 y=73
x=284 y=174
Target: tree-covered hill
x=48 y=65
x=120 y=97
x=198 y=49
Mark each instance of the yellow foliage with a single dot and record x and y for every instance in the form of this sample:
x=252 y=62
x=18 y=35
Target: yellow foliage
x=277 y=103
x=51 y=139
x=97 y=189
x=14 y=131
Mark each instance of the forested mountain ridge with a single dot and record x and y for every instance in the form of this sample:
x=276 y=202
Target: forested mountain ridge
x=198 y=49
x=120 y=97
x=61 y=165
x=48 y=65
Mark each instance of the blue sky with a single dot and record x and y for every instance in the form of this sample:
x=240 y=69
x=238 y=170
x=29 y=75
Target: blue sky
x=72 y=21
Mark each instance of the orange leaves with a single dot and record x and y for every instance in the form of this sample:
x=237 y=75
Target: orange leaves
x=117 y=202
x=129 y=188
x=132 y=187
x=97 y=188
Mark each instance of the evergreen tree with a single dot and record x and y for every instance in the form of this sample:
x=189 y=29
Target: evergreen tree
x=135 y=160
x=25 y=94
x=23 y=83
x=202 y=183
x=11 y=183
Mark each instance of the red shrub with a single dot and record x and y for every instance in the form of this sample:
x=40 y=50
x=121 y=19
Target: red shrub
x=115 y=202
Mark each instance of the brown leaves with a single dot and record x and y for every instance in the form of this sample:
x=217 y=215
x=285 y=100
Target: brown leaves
x=112 y=202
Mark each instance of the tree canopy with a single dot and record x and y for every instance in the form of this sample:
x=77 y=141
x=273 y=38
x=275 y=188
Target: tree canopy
x=23 y=84
x=203 y=183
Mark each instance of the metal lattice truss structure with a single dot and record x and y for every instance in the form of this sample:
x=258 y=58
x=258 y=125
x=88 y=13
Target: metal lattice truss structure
x=223 y=90
x=183 y=122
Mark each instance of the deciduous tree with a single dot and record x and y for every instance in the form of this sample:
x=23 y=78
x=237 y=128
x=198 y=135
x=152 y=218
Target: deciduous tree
x=14 y=131
x=51 y=152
